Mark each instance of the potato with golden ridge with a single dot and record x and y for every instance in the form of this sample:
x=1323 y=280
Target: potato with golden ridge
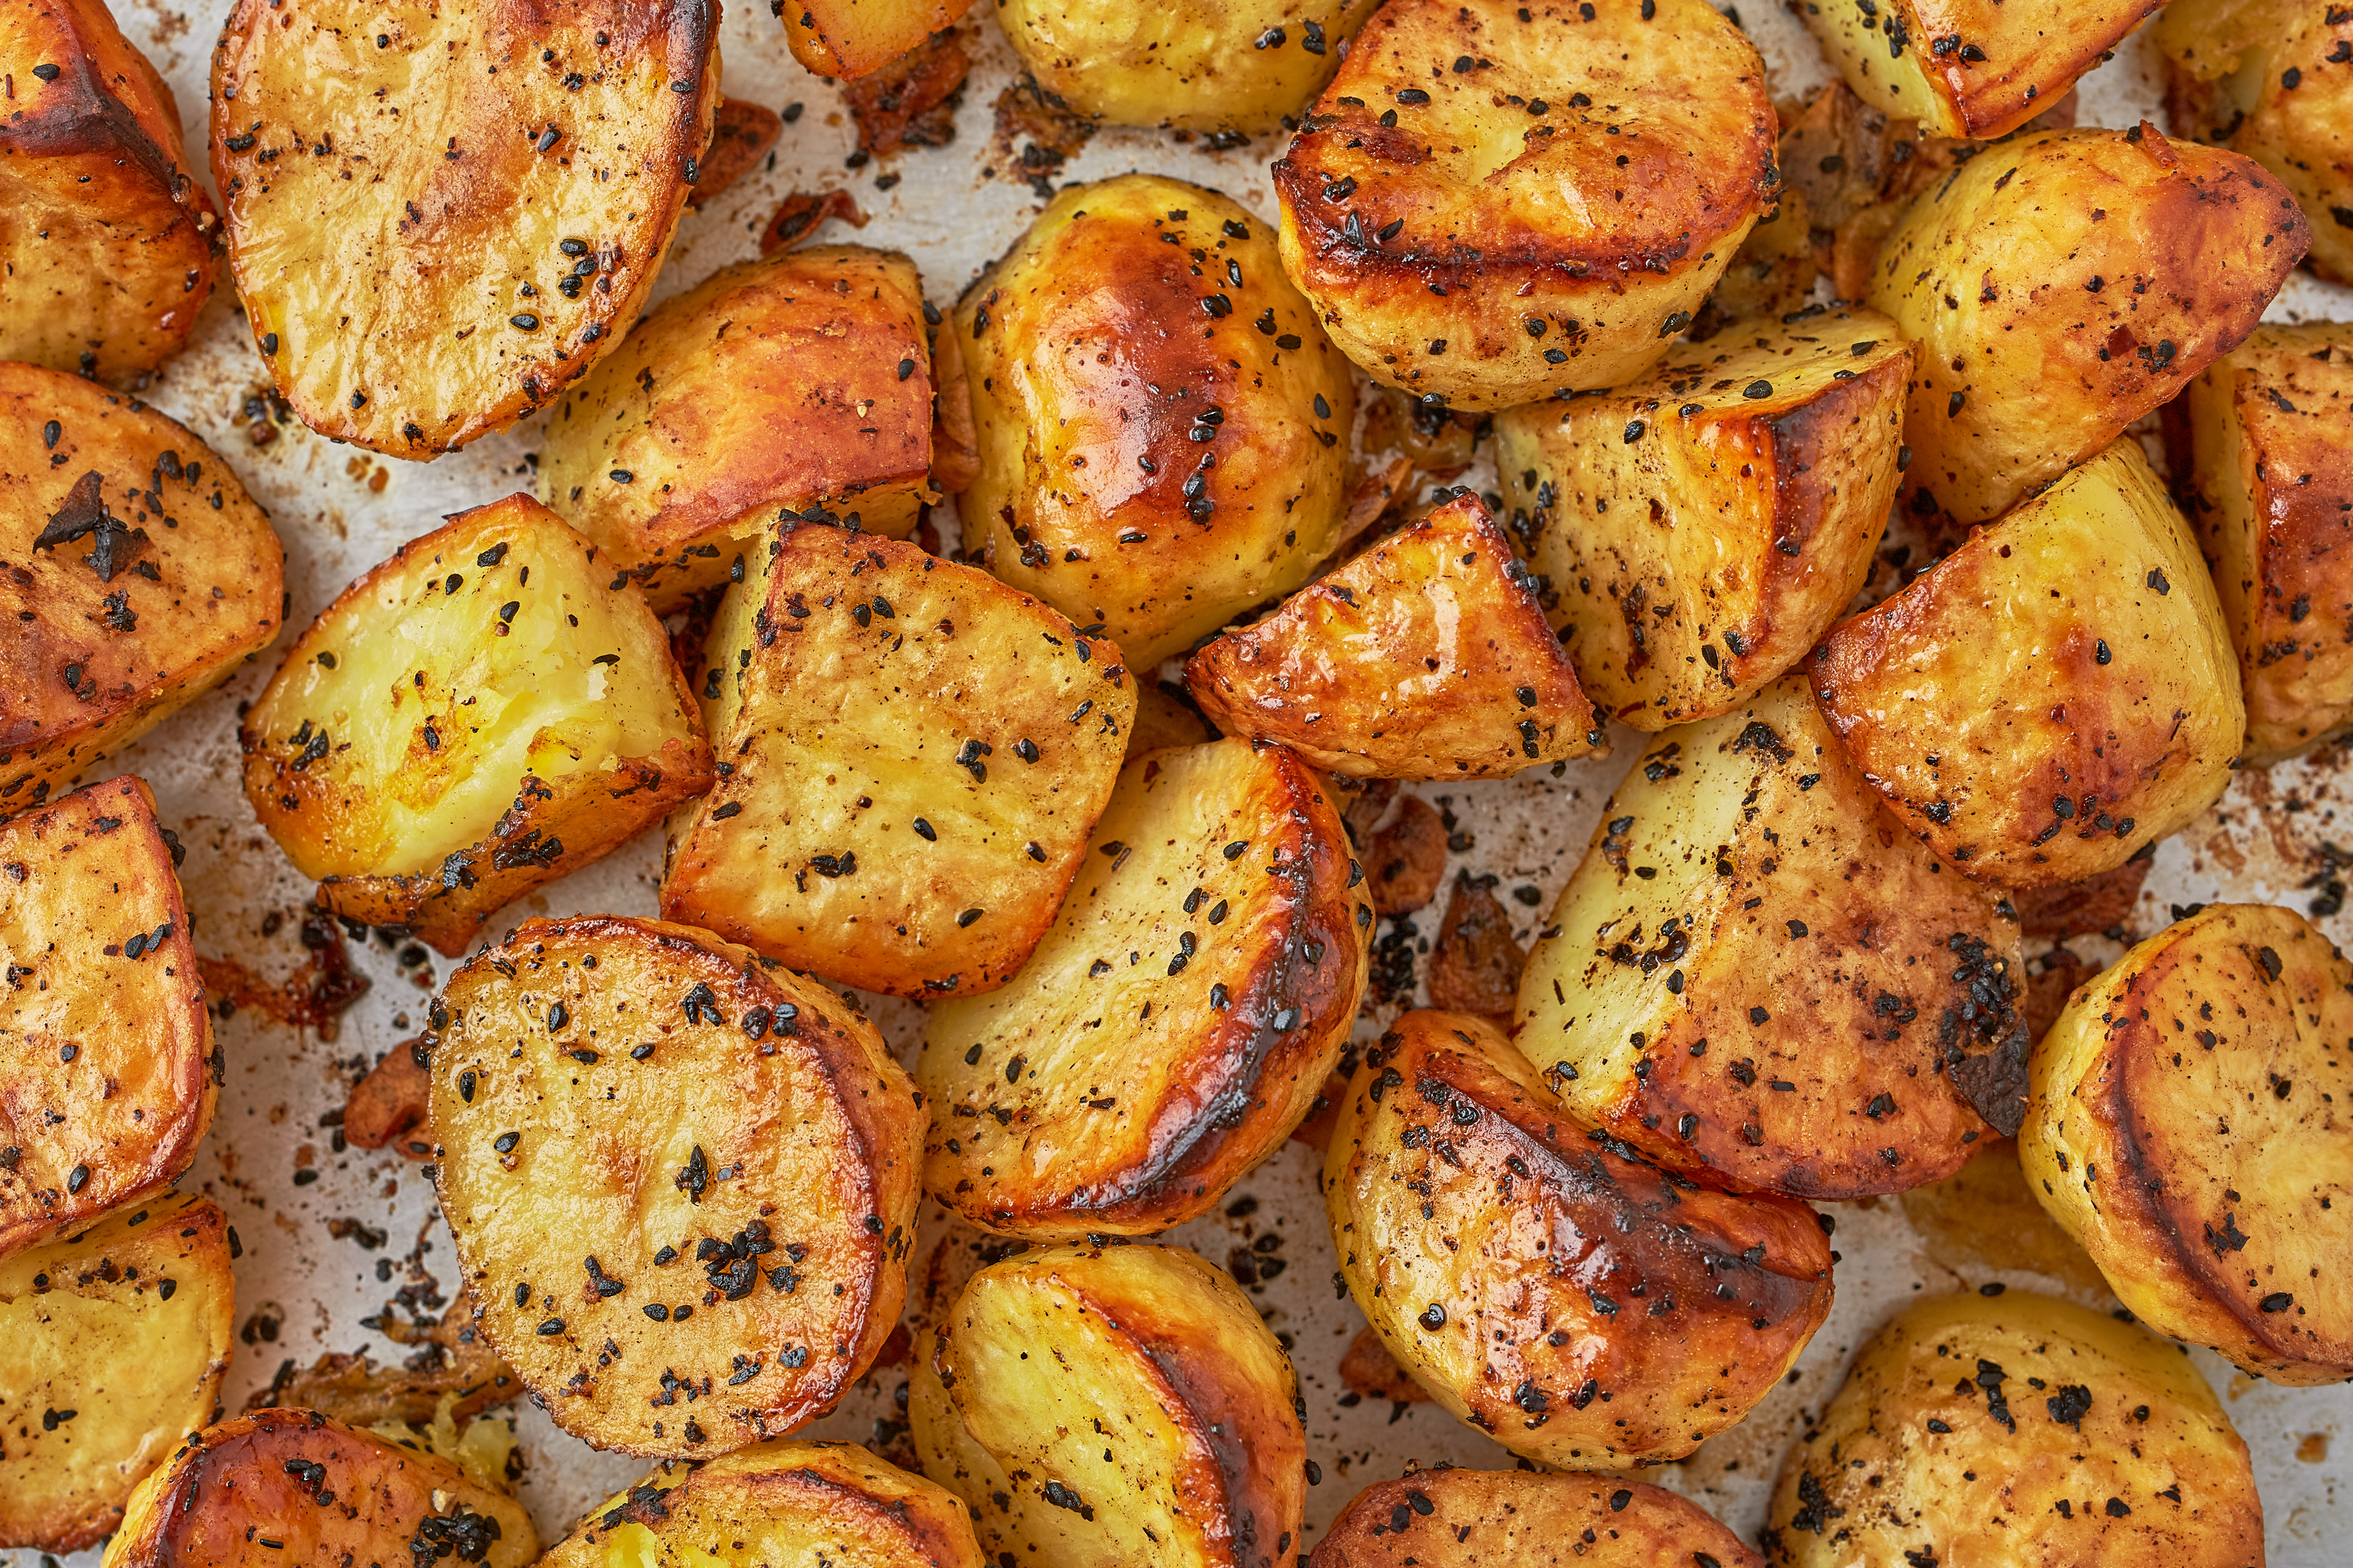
x=1506 y=1519
x=858 y=38
x=1547 y=217
x=449 y=735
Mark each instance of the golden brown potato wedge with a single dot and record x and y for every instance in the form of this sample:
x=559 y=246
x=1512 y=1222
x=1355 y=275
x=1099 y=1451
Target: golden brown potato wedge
x=2019 y=1430
x=449 y=733
x=1427 y=656
x=858 y=38
x=1698 y=530
x=1163 y=440
x=1197 y=65
x=913 y=754
x=112 y=1343
x=675 y=1172
x=2054 y=694
x=1664 y=1313
x=1504 y=1519
x=1546 y=218
x=2188 y=1130
x=107 y=1064
x=796 y=387
x=1752 y=973
x=408 y=194
x=1096 y=1405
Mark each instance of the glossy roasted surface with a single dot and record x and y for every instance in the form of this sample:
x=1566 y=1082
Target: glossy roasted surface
x=1491 y=1519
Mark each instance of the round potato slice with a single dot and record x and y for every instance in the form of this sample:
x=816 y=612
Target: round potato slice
x=1491 y=1519
x=1196 y=65
x=681 y=1180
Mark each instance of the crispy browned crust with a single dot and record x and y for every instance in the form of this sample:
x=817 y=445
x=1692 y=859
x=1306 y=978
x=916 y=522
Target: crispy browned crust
x=455 y=1375
x=2032 y=52
x=392 y=1100
x=1507 y=1519
x=741 y=133
x=912 y=100
x=858 y=38
x=2098 y=903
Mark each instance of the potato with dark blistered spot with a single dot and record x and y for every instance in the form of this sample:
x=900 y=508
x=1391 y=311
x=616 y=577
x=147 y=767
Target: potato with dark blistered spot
x=858 y=38
x=1491 y=1519
x=1195 y=64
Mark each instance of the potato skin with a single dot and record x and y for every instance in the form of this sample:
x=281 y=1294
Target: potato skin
x=1977 y=68
x=1200 y=65
x=1486 y=245
x=858 y=38
x=1507 y=1519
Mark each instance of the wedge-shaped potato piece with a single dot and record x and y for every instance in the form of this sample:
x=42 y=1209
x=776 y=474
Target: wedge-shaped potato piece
x=682 y=1181
x=1700 y=530
x=126 y=1325
x=1175 y=1025
x=1113 y=1405
x=2018 y=1429
x=2054 y=694
x=796 y=385
x=1427 y=656
x=1504 y=1519
x=2063 y=286
x=1750 y=972
x=1197 y=65
x=914 y=756
x=1163 y=441
x=1547 y=217
x=858 y=38
x=485 y=711
x=436 y=216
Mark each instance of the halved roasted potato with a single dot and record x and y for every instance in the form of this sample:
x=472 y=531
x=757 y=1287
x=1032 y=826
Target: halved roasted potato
x=1427 y=656
x=1196 y=65
x=2055 y=693
x=1507 y=1519
x=1571 y=1300
x=1698 y=530
x=112 y=1343
x=108 y=1069
x=135 y=573
x=1096 y=1405
x=913 y=754
x=2018 y=1429
x=675 y=1172
x=1546 y=217
x=436 y=216
x=2063 y=285
x=449 y=734
x=1175 y=1025
x=1163 y=428
x=858 y=38
x=796 y=385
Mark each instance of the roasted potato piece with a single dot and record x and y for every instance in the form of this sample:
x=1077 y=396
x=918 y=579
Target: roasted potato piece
x=1752 y=973
x=915 y=754
x=1163 y=442
x=2054 y=694
x=282 y=1487
x=1546 y=218
x=1451 y=1173
x=449 y=734
x=858 y=38
x=1097 y=1404
x=1504 y=1519
x=112 y=1343
x=1216 y=932
x=107 y=1064
x=1196 y=65
x=436 y=216
x=445 y=1386
x=742 y=132
x=674 y=1171
x=2187 y=1131
x=796 y=385
x=2063 y=287
x=1691 y=556
x=2017 y=1430
x=1425 y=658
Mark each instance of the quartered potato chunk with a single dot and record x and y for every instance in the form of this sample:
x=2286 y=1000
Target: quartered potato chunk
x=112 y=1343
x=2054 y=694
x=1546 y=217
x=858 y=38
x=1753 y=972
x=1096 y=1405
x=2017 y=1432
x=1175 y=1025
x=2190 y=1129
x=1505 y=1519
x=1698 y=530
x=107 y=1064
x=1663 y=1313
x=794 y=386
x=912 y=756
x=436 y=215
x=135 y=573
x=484 y=712
x=1427 y=656
x=681 y=1178
x=1194 y=65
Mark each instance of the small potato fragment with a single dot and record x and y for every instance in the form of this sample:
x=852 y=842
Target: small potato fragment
x=1194 y=65
x=1505 y=1519
x=1175 y=1025
x=741 y=133
x=1698 y=530
x=487 y=710
x=1096 y=1405
x=858 y=38
x=1546 y=218
x=2054 y=694
x=1427 y=656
